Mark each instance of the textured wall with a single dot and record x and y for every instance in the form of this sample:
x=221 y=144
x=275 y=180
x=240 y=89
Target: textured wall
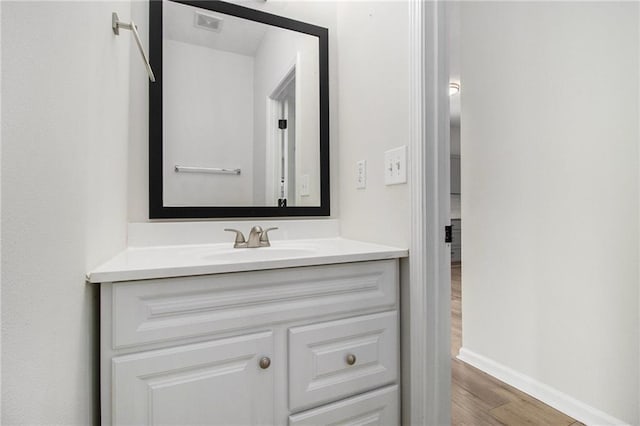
x=65 y=82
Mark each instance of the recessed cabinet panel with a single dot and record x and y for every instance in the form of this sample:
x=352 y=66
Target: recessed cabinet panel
x=214 y=383
x=160 y=310
x=331 y=360
x=377 y=408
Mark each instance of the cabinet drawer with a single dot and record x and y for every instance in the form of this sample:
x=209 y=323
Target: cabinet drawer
x=321 y=367
x=161 y=310
x=380 y=407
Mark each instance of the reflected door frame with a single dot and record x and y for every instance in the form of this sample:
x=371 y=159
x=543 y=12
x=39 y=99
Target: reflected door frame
x=276 y=157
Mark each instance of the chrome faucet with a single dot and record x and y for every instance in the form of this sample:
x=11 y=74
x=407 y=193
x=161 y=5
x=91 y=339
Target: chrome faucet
x=258 y=237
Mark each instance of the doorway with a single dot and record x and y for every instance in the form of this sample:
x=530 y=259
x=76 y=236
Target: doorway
x=281 y=141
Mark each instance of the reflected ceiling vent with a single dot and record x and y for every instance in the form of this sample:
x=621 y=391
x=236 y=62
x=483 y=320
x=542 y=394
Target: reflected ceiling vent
x=208 y=22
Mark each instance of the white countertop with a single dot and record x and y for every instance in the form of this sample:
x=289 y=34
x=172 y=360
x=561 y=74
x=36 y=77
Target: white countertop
x=184 y=260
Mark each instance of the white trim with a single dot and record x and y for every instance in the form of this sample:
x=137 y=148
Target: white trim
x=427 y=396
x=550 y=396
x=272 y=150
x=299 y=128
x=285 y=154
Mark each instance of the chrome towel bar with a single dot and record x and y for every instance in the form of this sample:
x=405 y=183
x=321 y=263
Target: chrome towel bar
x=116 y=24
x=186 y=169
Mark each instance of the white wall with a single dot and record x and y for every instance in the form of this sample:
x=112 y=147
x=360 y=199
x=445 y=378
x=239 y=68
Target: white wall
x=138 y=152
x=321 y=13
x=208 y=122
x=0 y=219
x=550 y=108
x=373 y=60
x=64 y=140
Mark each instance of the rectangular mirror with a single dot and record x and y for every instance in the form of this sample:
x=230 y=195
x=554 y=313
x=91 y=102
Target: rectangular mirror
x=239 y=113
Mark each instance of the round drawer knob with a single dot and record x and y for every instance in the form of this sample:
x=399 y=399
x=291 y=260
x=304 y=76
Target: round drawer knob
x=351 y=359
x=265 y=362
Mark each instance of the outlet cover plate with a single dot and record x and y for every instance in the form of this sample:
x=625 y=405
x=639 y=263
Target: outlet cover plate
x=361 y=174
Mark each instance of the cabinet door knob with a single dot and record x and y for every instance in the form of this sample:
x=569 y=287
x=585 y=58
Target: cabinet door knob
x=351 y=359
x=265 y=362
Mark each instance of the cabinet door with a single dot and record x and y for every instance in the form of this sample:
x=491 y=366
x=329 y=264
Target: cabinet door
x=377 y=408
x=218 y=382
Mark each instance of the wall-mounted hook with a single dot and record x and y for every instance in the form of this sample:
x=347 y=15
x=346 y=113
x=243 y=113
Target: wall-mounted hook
x=116 y=24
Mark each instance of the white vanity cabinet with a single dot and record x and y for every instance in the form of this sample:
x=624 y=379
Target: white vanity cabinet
x=301 y=346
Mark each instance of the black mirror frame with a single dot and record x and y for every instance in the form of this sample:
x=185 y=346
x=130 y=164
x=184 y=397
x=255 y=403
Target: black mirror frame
x=157 y=210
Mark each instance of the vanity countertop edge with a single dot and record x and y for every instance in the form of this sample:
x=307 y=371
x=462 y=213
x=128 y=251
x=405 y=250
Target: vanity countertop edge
x=145 y=263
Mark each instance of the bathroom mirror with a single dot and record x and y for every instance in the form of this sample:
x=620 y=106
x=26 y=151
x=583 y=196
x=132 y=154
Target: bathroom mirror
x=239 y=113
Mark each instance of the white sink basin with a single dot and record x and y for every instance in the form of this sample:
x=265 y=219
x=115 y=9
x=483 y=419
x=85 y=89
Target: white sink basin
x=257 y=254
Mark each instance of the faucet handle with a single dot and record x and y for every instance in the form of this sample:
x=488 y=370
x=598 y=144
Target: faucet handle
x=264 y=237
x=240 y=241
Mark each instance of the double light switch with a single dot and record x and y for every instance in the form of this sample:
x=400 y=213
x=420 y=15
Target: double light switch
x=395 y=166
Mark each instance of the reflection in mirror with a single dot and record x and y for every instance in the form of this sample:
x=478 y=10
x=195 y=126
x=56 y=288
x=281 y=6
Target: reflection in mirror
x=241 y=112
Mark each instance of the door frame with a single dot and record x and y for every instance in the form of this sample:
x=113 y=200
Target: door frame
x=273 y=133
x=427 y=395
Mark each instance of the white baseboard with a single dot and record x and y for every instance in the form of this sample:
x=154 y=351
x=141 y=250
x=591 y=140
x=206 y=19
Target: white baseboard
x=550 y=396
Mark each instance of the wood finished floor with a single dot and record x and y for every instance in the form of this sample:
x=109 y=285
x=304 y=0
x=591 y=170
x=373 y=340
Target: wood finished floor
x=479 y=399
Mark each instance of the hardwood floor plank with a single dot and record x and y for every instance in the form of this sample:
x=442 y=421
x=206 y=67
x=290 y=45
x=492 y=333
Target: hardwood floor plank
x=469 y=410
x=491 y=392
x=525 y=412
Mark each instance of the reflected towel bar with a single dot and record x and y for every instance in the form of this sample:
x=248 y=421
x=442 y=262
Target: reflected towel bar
x=116 y=24
x=186 y=169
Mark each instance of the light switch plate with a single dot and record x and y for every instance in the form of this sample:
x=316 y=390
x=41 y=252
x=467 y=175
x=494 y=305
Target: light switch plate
x=361 y=174
x=395 y=166
x=388 y=167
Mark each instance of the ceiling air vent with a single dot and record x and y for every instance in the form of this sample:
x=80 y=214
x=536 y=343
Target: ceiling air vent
x=208 y=22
